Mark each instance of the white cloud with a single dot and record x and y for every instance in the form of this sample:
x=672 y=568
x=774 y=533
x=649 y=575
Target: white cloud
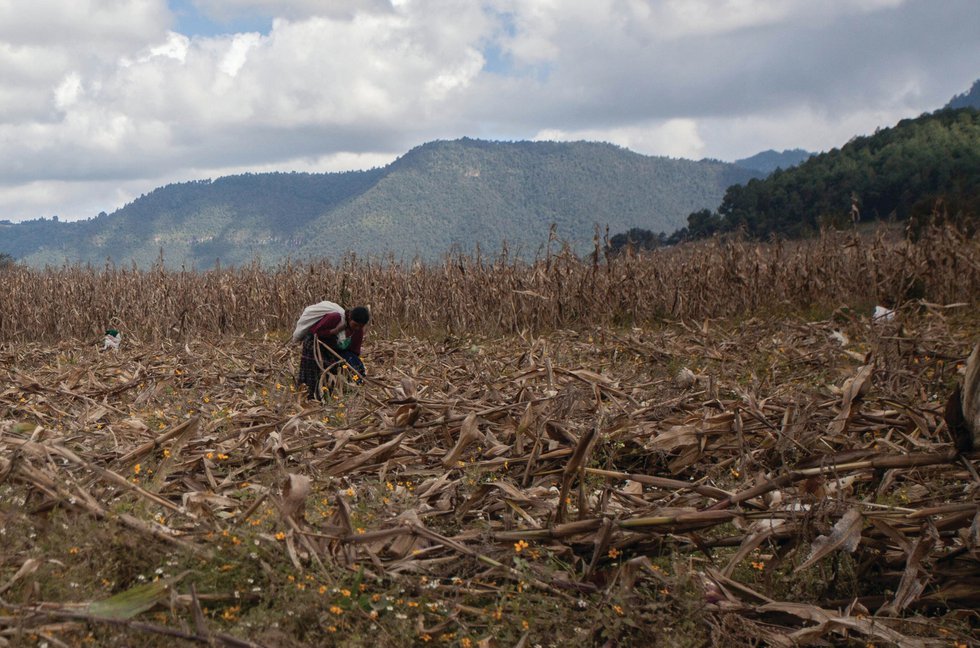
x=673 y=137
x=175 y=47
x=68 y=91
x=800 y=128
x=237 y=53
x=293 y=9
x=101 y=99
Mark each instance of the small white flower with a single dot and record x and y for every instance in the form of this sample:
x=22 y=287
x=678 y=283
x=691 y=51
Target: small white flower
x=582 y=603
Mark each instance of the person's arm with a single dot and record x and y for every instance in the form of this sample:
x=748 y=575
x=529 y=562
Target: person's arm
x=326 y=325
x=355 y=341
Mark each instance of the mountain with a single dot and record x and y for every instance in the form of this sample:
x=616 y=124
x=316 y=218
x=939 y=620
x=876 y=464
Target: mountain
x=969 y=99
x=921 y=166
x=439 y=196
x=768 y=161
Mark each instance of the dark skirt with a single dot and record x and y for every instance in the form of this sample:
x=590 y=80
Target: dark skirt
x=314 y=375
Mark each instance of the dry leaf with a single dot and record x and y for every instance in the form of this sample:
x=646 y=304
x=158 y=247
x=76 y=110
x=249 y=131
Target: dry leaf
x=845 y=535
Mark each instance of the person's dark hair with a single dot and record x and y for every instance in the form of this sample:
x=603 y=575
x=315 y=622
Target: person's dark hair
x=361 y=315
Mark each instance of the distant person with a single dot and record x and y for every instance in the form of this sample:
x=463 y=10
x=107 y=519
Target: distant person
x=332 y=338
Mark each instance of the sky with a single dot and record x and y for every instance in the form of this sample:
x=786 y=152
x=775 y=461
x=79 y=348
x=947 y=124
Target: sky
x=102 y=101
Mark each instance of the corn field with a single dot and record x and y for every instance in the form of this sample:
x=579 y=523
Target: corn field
x=714 y=444
x=501 y=294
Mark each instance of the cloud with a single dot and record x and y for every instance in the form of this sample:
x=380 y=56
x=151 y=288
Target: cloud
x=106 y=99
x=229 y=10
x=674 y=137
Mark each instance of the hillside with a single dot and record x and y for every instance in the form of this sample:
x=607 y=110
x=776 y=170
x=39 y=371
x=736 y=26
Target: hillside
x=768 y=161
x=438 y=196
x=907 y=171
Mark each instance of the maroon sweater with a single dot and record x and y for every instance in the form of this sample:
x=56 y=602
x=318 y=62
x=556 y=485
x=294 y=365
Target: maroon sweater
x=328 y=326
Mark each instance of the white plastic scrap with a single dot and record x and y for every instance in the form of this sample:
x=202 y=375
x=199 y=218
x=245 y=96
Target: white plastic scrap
x=111 y=341
x=883 y=314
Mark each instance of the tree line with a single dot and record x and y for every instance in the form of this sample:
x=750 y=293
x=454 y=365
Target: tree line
x=919 y=169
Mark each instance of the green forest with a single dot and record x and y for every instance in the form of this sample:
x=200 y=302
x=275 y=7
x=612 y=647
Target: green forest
x=921 y=167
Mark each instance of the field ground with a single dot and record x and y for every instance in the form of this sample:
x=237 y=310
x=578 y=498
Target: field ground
x=771 y=481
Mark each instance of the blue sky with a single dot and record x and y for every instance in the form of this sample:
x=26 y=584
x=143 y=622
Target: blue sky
x=102 y=101
x=192 y=22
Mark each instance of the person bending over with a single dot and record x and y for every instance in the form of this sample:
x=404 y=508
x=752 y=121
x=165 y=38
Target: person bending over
x=332 y=343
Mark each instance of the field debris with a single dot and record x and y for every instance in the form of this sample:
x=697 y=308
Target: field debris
x=784 y=481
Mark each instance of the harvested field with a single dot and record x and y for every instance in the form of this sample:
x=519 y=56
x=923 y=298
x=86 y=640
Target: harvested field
x=755 y=480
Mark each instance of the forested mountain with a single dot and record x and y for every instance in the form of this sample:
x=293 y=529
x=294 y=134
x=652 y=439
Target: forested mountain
x=438 y=196
x=920 y=165
x=768 y=161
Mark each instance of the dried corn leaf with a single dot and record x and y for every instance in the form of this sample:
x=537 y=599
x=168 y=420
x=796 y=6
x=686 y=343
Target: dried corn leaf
x=846 y=535
x=854 y=387
x=294 y=493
